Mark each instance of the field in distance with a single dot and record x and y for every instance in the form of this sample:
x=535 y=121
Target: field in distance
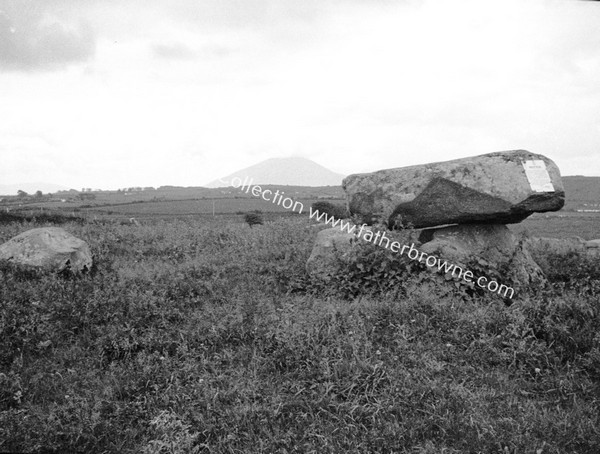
x=170 y=201
x=583 y=193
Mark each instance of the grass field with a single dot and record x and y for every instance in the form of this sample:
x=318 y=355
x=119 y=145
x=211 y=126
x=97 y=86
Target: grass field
x=563 y=224
x=206 y=335
x=203 y=206
x=560 y=224
x=115 y=206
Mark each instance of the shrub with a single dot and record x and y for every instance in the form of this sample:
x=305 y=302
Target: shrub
x=370 y=269
x=332 y=209
x=253 y=219
x=40 y=218
x=572 y=270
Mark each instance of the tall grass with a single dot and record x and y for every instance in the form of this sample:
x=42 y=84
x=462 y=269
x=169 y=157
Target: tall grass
x=190 y=336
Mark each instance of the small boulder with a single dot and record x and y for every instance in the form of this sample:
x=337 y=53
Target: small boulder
x=593 y=247
x=331 y=245
x=334 y=246
x=502 y=187
x=48 y=248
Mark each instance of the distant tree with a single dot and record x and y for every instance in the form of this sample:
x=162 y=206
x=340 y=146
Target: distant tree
x=253 y=219
x=22 y=193
x=38 y=194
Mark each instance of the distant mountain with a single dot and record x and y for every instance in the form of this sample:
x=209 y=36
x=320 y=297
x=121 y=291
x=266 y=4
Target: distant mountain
x=31 y=188
x=284 y=171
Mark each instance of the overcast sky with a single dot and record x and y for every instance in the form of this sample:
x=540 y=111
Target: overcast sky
x=109 y=94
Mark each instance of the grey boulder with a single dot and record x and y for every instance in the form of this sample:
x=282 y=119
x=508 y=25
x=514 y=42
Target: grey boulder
x=48 y=248
x=331 y=246
x=494 y=250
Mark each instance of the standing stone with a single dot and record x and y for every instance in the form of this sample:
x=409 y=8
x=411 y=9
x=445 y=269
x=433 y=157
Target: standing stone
x=498 y=253
x=334 y=248
x=331 y=246
x=48 y=248
x=502 y=187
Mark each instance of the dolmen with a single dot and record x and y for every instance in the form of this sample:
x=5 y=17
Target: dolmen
x=459 y=209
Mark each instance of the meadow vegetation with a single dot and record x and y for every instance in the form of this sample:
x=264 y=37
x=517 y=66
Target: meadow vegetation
x=194 y=336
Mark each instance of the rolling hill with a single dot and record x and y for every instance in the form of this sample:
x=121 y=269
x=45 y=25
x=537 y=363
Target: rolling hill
x=31 y=188
x=582 y=192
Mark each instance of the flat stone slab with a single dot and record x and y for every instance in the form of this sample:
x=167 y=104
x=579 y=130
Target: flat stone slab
x=503 y=187
x=48 y=248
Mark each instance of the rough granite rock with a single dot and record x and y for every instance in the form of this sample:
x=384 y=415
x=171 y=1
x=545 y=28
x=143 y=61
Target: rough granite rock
x=492 y=246
x=490 y=188
x=48 y=248
x=330 y=246
x=333 y=247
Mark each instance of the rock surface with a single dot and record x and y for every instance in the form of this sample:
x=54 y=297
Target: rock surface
x=331 y=245
x=493 y=246
x=491 y=188
x=48 y=248
x=593 y=247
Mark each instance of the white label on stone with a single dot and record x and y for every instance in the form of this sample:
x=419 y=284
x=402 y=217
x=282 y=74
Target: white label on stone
x=538 y=176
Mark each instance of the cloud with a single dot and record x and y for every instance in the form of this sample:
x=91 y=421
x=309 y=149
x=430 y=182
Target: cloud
x=360 y=84
x=34 y=39
x=183 y=52
x=173 y=51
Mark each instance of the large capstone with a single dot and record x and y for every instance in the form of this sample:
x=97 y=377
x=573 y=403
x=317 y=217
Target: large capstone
x=502 y=187
x=48 y=248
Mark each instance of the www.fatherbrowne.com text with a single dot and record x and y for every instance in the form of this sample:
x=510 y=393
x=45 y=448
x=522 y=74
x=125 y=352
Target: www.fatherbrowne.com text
x=367 y=234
